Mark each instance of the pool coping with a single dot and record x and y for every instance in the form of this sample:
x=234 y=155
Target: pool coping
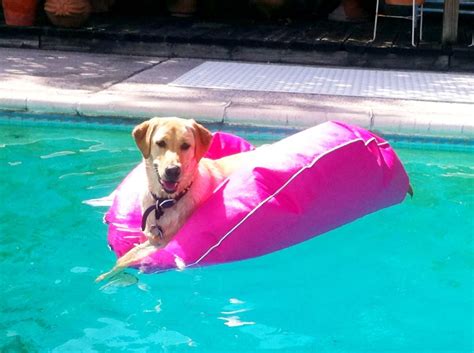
x=146 y=92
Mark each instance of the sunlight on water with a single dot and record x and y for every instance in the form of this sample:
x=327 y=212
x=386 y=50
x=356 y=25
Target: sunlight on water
x=397 y=280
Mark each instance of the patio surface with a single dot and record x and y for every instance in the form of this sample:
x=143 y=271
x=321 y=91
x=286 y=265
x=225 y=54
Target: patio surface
x=88 y=85
x=315 y=41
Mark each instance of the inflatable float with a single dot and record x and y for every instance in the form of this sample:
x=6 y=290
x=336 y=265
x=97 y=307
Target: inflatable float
x=293 y=190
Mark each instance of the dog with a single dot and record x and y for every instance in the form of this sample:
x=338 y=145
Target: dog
x=179 y=179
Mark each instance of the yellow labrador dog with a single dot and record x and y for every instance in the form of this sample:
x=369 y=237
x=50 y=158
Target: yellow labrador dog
x=179 y=179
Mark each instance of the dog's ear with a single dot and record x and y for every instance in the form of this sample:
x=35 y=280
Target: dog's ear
x=142 y=134
x=203 y=138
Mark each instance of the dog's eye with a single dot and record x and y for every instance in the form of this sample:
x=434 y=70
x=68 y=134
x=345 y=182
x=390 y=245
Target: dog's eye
x=161 y=144
x=185 y=146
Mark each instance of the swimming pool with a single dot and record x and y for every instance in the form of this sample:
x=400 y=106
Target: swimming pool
x=397 y=280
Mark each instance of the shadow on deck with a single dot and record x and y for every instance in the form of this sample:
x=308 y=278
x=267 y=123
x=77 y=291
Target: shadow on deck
x=312 y=42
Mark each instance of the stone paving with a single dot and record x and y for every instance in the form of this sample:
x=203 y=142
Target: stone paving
x=86 y=84
x=310 y=42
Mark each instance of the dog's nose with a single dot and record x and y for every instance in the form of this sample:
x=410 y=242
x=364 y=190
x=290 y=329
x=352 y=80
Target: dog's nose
x=172 y=172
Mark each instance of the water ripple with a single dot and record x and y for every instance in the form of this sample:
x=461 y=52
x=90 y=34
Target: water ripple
x=119 y=335
x=75 y=174
x=234 y=321
x=57 y=154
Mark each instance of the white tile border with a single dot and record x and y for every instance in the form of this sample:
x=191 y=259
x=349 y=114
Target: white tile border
x=456 y=124
x=350 y=82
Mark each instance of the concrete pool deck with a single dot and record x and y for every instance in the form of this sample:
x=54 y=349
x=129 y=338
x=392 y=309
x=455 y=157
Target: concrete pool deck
x=84 y=84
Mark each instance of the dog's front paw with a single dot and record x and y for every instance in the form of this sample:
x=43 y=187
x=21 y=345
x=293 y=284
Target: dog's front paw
x=155 y=236
x=155 y=241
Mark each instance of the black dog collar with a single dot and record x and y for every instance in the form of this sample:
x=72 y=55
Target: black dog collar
x=161 y=204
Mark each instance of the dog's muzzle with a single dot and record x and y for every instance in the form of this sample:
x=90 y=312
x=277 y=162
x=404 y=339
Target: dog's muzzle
x=171 y=178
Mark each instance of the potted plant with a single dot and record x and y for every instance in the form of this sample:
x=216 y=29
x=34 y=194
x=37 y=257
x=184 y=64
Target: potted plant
x=67 y=13
x=182 y=8
x=19 y=12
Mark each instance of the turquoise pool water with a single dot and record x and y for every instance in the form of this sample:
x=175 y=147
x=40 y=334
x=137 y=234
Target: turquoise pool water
x=399 y=280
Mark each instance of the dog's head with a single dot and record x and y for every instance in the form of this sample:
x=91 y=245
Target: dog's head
x=174 y=147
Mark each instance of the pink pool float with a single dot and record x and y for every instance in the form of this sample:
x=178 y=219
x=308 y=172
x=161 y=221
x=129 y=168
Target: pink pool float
x=293 y=190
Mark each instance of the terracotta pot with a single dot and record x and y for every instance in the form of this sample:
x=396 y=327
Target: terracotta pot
x=182 y=8
x=404 y=2
x=20 y=12
x=354 y=10
x=67 y=13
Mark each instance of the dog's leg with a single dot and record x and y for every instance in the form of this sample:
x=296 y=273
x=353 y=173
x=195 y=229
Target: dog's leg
x=132 y=257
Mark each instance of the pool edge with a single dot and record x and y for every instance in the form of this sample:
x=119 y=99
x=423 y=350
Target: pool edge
x=387 y=120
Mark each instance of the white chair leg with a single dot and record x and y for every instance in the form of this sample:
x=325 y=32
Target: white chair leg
x=413 y=21
x=376 y=19
x=421 y=22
